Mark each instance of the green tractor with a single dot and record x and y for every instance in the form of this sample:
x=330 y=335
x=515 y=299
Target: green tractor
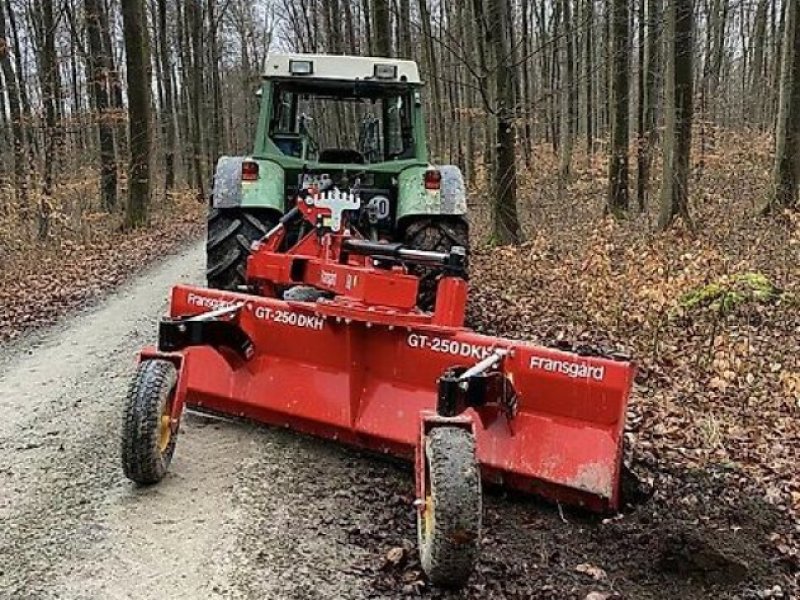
x=351 y=123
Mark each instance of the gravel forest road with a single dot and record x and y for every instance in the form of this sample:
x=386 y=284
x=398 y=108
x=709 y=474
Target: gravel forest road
x=237 y=497
x=252 y=512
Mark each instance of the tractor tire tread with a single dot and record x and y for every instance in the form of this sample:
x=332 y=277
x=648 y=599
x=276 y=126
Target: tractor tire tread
x=448 y=555
x=222 y=234
x=142 y=460
x=231 y=232
x=438 y=234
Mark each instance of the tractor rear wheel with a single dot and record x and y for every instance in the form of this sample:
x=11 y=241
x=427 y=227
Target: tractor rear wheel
x=148 y=435
x=449 y=524
x=435 y=234
x=231 y=231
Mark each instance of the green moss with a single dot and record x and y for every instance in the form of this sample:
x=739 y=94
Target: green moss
x=729 y=292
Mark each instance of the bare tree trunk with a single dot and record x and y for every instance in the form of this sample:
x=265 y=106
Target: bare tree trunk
x=589 y=75
x=98 y=71
x=678 y=113
x=404 y=30
x=429 y=54
x=383 y=28
x=168 y=116
x=620 y=88
x=506 y=229
x=137 y=53
x=12 y=89
x=195 y=19
x=757 y=66
x=648 y=64
x=27 y=115
x=786 y=172
x=568 y=89
x=114 y=78
x=217 y=126
x=50 y=97
x=368 y=30
x=183 y=97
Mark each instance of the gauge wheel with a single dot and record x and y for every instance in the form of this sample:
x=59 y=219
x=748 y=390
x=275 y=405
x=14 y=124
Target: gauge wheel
x=148 y=431
x=449 y=522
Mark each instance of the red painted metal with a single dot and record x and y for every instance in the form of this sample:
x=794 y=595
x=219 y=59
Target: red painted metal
x=362 y=368
x=367 y=383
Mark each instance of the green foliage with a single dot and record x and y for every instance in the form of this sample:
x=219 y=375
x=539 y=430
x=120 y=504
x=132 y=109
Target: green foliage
x=728 y=292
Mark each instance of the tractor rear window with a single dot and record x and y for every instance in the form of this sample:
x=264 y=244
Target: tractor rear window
x=343 y=125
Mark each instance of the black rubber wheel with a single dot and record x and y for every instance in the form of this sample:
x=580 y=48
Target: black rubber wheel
x=436 y=234
x=148 y=438
x=449 y=526
x=231 y=231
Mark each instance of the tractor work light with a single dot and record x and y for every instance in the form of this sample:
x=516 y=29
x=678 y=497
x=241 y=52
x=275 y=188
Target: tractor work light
x=301 y=67
x=385 y=71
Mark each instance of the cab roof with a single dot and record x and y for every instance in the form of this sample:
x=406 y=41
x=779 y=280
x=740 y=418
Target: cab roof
x=340 y=68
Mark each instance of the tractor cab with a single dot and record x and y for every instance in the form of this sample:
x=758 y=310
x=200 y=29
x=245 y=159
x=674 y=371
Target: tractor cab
x=341 y=111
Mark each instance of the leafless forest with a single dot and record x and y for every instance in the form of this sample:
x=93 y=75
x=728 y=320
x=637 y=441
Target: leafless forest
x=633 y=171
x=645 y=85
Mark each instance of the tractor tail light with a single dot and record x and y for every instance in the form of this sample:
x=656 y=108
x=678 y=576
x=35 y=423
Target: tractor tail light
x=249 y=171
x=433 y=179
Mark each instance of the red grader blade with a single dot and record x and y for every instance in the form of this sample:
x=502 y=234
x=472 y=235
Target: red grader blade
x=361 y=365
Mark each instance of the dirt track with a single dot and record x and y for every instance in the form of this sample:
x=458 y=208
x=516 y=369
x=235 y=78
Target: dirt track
x=250 y=512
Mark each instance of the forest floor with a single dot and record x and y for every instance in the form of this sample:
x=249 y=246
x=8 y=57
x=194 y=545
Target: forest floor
x=87 y=254
x=711 y=317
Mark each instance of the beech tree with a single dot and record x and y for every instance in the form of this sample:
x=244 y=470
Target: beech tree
x=99 y=68
x=678 y=96
x=137 y=61
x=504 y=210
x=12 y=87
x=786 y=172
x=618 y=157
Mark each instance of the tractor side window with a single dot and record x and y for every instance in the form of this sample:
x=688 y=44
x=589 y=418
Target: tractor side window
x=285 y=112
x=398 y=128
x=284 y=125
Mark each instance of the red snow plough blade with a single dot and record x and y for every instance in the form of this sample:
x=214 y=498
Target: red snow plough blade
x=360 y=364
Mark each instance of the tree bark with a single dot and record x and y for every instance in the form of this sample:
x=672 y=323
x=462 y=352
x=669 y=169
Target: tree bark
x=195 y=19
x=648 y=81
x=15 y=111
x=137 y=61
x=168 y=115
x=217 y=126
x=568 y=88
x=49 y=78
x=98 y=85
x=383 y=28
x=678 y=113
x=404 y=30
x=589 y=75
x=786 y=171
x=620 y=84
x=506 y=229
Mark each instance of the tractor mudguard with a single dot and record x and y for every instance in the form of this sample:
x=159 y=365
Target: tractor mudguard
x=414 y=199
x=230 y=191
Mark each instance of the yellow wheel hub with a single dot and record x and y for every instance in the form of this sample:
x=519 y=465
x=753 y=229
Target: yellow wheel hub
x=427 y=515
x=164 y=432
